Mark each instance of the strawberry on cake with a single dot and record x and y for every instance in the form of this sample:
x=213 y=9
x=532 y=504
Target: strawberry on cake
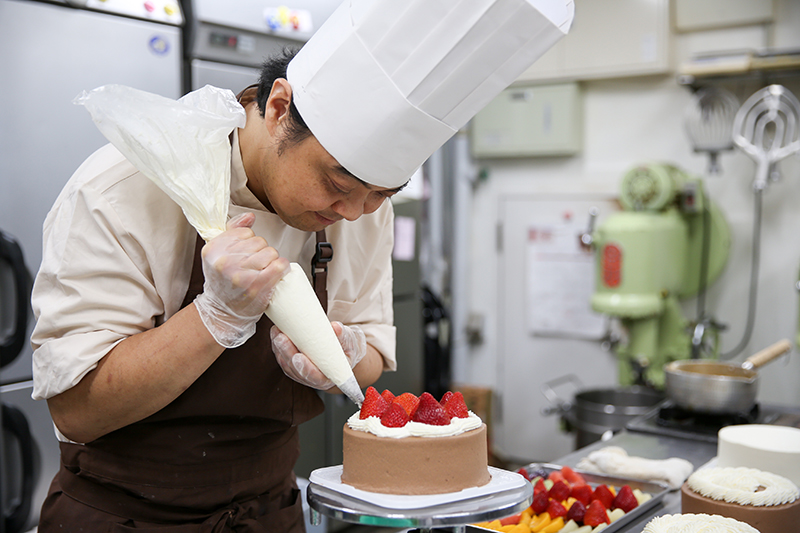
x=414 y=445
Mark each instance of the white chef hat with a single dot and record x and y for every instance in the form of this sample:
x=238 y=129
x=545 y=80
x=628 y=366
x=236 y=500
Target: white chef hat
x=384 y=83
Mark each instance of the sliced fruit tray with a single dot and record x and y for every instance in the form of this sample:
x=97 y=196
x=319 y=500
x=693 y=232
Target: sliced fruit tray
x=623 y=500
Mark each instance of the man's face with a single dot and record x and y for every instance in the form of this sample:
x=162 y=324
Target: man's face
x=301 y=181
x=310 y=190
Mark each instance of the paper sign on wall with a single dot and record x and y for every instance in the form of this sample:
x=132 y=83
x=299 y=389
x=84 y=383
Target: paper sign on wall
x=559 y=279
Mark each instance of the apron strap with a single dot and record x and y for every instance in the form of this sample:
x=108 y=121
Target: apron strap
x=319 y=268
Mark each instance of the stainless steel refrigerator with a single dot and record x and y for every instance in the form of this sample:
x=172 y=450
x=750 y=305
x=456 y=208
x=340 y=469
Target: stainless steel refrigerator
x=51 y=51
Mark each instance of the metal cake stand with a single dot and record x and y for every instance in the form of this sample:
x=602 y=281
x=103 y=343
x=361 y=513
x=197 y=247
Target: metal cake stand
x=453 y=516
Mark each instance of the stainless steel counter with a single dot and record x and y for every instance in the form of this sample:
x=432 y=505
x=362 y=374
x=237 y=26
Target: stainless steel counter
x=651 y=447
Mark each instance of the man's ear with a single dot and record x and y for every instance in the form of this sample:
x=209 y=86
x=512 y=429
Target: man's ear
x=278 y=102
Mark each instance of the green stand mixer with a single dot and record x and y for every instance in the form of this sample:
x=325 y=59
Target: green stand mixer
x=669 y=242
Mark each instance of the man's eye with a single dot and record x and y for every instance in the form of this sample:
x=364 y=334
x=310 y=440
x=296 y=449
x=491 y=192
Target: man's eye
x=336 y=188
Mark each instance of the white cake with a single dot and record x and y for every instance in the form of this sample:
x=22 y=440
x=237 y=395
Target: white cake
x=761 y=446
x=696 y=523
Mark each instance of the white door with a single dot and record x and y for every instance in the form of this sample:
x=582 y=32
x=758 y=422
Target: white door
x=546 y=329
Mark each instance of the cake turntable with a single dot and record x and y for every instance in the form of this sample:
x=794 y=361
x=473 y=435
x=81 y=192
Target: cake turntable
x=452 y=512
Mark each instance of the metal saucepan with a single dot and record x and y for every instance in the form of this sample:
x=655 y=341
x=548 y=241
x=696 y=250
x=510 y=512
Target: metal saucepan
x=717 y=387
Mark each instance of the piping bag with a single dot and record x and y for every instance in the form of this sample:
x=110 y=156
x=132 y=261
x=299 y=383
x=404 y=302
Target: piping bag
x=183 y=147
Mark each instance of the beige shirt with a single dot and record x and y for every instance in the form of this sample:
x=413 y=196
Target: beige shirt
x=118 y=254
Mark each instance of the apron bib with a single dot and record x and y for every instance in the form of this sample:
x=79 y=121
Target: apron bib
x=219 y=458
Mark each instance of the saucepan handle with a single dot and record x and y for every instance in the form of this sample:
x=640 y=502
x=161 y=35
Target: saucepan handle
x=767 y=354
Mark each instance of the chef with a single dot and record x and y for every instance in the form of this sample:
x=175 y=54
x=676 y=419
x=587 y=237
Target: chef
x=176 y=401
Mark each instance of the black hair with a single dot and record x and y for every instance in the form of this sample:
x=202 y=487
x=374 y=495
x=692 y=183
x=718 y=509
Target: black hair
x=273 y=68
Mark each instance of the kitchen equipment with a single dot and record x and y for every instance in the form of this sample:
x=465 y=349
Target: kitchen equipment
x=452 y=516
x=767 y=128
x=709 y=123
x=668 y=243
x=595 y=414
x=16 y=442
x=51 y=52
x=228 y=41
x=716 y=386
x=668 y=419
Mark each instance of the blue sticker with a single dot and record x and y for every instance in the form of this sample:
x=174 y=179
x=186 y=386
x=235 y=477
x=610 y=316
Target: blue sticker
x=159 y=45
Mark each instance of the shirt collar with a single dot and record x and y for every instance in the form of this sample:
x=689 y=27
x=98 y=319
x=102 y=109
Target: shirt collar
x=240 y=194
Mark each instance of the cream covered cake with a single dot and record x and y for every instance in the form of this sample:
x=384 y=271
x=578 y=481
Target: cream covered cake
x=414 y=445
x=696 y=523
x=764 y=500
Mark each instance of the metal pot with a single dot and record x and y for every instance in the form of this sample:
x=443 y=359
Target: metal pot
x=718 y=387
x=594 y=413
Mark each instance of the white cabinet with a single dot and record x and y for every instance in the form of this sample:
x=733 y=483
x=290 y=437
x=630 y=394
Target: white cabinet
x=609 y=38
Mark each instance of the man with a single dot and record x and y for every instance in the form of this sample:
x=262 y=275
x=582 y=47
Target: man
x=176 y=402
x=125 y=248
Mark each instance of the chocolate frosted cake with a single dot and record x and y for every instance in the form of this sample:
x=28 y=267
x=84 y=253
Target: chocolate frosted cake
x=768 y=502
x=408 y=445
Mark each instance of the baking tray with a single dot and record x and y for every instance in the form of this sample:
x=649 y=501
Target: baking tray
x=655 y=488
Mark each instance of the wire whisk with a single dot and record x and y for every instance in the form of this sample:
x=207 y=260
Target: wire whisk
x=709 y=123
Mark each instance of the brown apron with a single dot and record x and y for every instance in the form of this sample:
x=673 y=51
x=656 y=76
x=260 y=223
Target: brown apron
x=219 y=458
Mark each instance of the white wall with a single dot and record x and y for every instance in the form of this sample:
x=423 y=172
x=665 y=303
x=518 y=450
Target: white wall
x=633 y=120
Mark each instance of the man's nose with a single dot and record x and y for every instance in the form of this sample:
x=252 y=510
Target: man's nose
x=350 y=209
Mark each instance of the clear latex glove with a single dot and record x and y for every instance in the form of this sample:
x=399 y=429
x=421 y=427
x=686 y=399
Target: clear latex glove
x=241 y=272
x=300 y=368
x=353 y=341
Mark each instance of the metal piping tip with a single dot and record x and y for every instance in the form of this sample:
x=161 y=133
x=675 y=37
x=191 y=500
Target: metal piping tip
x=351 y=389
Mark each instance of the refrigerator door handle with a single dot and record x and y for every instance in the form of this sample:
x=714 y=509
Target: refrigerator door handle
x=11 y=253
x=15 y=424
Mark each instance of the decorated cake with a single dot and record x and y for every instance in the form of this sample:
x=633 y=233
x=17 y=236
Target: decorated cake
x=696 y=523
x=764 y=500
x=414 y=445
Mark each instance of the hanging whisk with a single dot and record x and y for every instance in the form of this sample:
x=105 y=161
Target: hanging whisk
x=709 y=123
x=767 y=128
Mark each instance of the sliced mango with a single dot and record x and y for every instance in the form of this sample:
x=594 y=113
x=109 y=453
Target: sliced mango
x=539 y=522
x=554 y=525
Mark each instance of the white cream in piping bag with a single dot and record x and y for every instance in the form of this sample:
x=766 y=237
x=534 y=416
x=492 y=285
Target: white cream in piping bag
x=295 y=309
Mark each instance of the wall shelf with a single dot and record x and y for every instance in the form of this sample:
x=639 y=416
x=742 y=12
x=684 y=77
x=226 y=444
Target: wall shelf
x=766 y=66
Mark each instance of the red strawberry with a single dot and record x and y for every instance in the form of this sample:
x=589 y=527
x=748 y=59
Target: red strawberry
x=572 y=477
x=540 y=502
x=576 y=512
x=604 y=495
x=409 y=402
x=430 y=412
x=539 y=486
x=394 y=417
x=625 y=499
x=374 y=404
x=524 y=473
x=582 y=493
x=455 y=406
x=559 y=491
x=595 y=514
x=445 y=397
x=555 y=509
x=387 y=395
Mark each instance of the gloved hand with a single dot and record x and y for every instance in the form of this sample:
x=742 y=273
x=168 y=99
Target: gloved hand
x=241 y=271
x=299 y=367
